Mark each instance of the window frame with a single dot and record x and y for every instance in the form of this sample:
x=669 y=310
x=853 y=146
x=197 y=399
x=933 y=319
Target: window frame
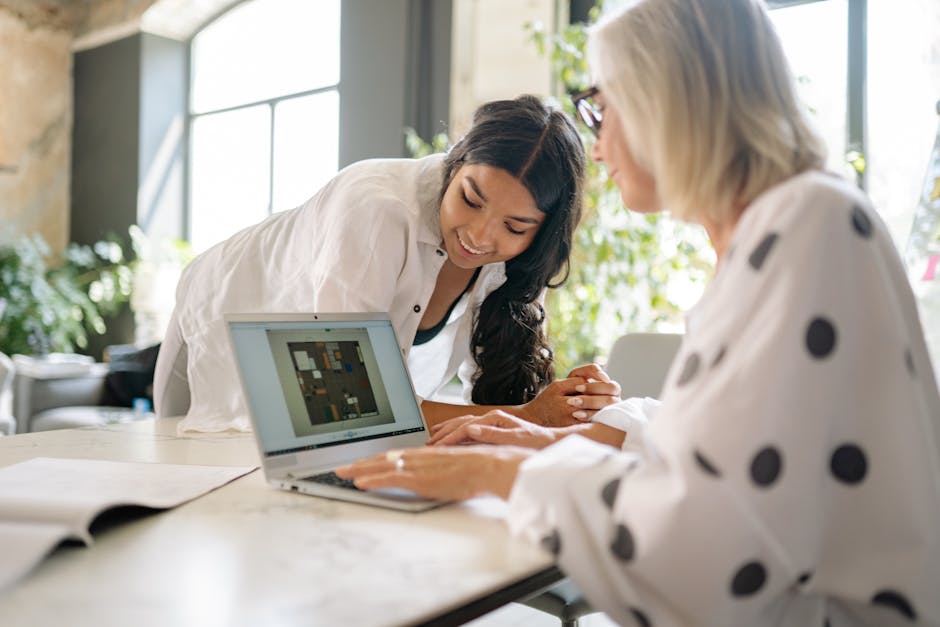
x=856 y=105
x=270 y=103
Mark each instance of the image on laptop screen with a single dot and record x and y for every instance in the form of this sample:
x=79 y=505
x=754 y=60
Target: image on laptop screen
x=330 y=379
x=318 y=383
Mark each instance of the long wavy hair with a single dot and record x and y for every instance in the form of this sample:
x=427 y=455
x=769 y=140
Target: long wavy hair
x=539 y=146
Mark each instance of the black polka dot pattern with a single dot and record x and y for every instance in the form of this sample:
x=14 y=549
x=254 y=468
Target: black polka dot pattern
x=641 y=618
x=909 y=362
x=861 y=222
x=759 y=255
x=705 y=464
x=720 y=356
x=804 y=577
x=609 y=492
x=622 y=546
x=690 y=369
x=749 y=579
x=766 y=466
x=820 y=338
x=848 y=464
x=895 y=601
x=552 y=543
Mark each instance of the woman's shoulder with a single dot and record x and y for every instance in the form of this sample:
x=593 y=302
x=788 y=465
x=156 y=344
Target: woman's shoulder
x=397 y=189
x=810 y=200
x=393 y=178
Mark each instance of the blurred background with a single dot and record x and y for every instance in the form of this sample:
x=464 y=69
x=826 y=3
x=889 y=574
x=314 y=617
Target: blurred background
x=137 y=133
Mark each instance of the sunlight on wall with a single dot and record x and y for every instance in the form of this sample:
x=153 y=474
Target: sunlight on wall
x=492 y=56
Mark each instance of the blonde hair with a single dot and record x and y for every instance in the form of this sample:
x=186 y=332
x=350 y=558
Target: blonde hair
x=706 y=101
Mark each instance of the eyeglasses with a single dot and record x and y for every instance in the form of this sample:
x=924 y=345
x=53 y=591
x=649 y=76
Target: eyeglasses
x=588 y=110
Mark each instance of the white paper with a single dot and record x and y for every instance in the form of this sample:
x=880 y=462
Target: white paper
x=46 y=500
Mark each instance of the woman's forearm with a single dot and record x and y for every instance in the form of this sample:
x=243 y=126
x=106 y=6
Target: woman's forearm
x=436 y=412
x=596 y=431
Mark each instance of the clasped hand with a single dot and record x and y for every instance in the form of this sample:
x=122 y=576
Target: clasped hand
x=572 y=400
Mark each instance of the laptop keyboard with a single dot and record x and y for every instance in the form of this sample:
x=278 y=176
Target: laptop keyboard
x=331 y=478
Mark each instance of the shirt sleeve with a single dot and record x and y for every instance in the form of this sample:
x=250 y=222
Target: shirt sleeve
x=631 y=415
x=791 y=474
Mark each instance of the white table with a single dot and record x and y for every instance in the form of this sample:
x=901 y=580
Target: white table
x=248 y=554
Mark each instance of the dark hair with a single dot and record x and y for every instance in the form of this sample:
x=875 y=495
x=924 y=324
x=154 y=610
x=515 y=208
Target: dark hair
x=540 y=147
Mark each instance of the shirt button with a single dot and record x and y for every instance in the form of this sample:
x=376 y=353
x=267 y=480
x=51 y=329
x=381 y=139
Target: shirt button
x=440 y=253
x=417 y=308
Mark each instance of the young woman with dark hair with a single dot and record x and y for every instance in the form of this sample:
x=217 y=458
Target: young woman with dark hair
x=539 y=150
x=458 y=249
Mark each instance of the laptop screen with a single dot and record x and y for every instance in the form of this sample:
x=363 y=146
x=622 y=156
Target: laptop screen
x=317 y=383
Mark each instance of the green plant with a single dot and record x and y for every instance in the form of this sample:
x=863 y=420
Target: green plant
x=418 y=147
x=53 y=309
x=629 y=271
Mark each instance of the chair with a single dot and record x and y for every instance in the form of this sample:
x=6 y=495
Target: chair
x=639 y=362
x=564 y=601
x=71 y=391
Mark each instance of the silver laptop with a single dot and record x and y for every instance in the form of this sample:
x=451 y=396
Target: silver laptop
x=325 y=390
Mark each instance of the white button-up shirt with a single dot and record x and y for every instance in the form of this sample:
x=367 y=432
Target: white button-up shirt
x=369 y=241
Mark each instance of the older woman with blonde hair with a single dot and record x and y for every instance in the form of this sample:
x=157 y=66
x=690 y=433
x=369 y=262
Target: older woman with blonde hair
x=792 y=473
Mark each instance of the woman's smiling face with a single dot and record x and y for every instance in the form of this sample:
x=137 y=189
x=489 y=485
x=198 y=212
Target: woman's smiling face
x=487 y=216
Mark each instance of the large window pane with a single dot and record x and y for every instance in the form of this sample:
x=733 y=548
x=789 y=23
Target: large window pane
x=815 y=40
x=230 y=173
x=903 y=88
x=306 y=147
x=264 y=49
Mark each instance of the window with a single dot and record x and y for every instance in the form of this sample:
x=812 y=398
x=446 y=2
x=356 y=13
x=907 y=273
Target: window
x=264 y=113
x=890 y=113
x=903 y=85
x=815 y=39
x=898 y=80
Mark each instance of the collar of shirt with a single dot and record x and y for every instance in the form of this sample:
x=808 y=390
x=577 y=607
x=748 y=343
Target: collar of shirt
x=430 y=182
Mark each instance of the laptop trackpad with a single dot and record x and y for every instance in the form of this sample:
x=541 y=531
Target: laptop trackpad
x=332 y=479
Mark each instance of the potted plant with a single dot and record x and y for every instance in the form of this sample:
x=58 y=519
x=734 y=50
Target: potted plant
x=53 y=307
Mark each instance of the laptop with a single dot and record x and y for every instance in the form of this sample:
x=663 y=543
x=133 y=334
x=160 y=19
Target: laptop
x=324 y=390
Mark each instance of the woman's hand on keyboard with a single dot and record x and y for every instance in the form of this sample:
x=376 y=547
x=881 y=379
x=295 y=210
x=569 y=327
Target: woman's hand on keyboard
x=442 y=473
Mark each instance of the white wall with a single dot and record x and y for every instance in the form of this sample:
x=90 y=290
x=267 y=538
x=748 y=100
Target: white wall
x=493 y=56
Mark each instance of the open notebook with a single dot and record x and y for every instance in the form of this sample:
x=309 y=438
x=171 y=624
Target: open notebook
x=324 y=390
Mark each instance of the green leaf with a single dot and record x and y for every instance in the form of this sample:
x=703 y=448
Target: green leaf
x=54 y=308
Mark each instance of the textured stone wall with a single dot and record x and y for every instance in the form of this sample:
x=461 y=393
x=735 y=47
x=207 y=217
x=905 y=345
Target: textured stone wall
x=35 y=118
x=36 y=41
